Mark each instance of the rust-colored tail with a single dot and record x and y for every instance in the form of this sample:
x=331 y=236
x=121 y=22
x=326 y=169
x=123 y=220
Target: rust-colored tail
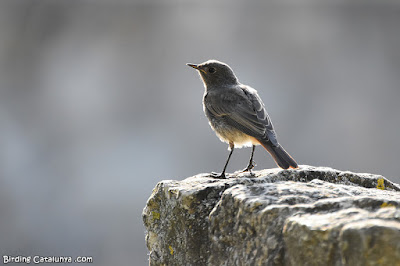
x=281 y=157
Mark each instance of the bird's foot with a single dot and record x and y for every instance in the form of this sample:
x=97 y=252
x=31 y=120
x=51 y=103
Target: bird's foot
x=217 y=175
x=251 y=165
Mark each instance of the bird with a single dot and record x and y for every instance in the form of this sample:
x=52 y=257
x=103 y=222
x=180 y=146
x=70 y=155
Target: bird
x=237 y=115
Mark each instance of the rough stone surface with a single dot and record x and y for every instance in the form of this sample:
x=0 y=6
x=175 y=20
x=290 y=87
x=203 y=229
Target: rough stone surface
x=307 y=216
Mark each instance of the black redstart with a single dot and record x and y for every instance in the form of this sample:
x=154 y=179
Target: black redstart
x=237 y=114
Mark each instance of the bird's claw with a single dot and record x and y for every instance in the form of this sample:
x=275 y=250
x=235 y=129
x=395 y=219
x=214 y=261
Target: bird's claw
x=249 y=167
x=217 y=175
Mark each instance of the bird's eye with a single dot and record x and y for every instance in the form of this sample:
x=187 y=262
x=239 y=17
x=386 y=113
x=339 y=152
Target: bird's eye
x=211 y=70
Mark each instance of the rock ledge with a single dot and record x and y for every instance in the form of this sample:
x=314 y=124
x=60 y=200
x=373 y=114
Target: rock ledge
x=307 y=216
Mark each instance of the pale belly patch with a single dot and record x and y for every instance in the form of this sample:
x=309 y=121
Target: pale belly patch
x=229 y=134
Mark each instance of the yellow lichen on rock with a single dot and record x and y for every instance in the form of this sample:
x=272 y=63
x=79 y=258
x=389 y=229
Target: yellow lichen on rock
x=381 y=184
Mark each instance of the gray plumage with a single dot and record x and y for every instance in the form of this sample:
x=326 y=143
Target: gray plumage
x=237 y=114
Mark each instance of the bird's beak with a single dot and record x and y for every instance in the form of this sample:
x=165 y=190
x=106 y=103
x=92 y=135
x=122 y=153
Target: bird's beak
x=197 y=68
x=193 y=65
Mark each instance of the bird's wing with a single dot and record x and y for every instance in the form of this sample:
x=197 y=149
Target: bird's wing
x=243 y=109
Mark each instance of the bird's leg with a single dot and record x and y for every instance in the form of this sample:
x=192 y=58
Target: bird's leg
x=222 y=175
x=251 y=162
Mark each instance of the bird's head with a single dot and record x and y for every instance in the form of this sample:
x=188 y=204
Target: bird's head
x=215 y=74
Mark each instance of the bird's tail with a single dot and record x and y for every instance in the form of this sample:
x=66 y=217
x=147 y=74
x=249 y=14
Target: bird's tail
x=281 y=157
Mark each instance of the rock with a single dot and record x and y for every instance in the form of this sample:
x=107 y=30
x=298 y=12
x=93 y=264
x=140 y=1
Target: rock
x=371 y=241
x=307 y=216
x=343 y=238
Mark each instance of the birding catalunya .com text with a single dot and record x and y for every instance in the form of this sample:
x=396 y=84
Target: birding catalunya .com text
x=46 y=259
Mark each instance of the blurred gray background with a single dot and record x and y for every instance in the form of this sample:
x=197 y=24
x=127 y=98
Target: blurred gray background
x=97 y=105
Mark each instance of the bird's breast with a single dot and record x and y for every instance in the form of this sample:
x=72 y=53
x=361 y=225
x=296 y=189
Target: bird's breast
x=228 y=134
